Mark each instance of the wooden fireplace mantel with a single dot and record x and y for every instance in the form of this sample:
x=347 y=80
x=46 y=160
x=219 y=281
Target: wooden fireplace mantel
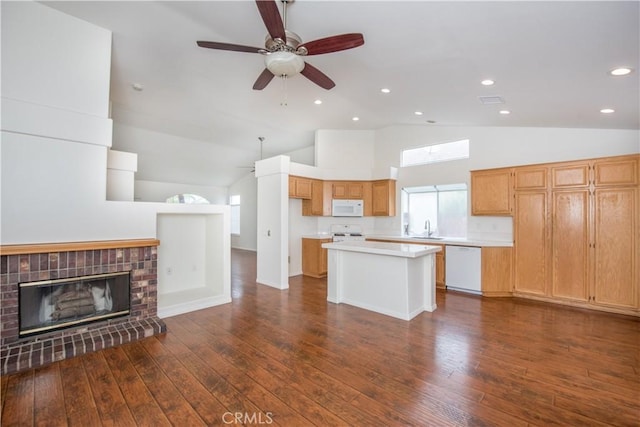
x=39 y=248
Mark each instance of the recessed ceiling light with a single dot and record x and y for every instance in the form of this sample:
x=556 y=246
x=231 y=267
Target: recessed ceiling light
x=607 y=111
x=487 y=82
x=355 y=119
x=622 y=71
x=385 y=90
x=505 y=112
x=137 y=86
x=418 y=113
x=317 y=101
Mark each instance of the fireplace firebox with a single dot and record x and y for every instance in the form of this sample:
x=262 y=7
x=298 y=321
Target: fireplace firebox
x=49 y=305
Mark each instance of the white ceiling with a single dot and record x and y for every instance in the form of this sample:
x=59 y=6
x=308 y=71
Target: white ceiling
x=550 y=61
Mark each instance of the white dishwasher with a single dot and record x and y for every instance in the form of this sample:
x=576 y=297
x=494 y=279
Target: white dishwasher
x=463 y=268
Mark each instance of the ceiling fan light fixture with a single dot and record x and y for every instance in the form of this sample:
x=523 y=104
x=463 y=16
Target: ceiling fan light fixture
x=284 y=63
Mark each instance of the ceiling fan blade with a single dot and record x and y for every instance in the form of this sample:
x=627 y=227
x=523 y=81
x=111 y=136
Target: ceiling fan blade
x=263 y=79
x=272 y=20
x=229 y=46
x=333 y=43
x=317 y=76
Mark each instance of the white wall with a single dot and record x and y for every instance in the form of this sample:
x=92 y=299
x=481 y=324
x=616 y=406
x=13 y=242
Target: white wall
x=273 y=222
x=345 y=149
x=49 y=58
x=247 y=189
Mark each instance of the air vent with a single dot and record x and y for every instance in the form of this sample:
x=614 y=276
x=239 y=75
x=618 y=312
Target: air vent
x=489 y=100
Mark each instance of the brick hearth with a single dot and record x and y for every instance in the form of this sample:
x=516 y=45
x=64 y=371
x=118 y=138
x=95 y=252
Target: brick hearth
x=138 y=257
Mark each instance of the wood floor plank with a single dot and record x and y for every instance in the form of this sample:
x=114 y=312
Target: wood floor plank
x=79 y=402
x=49 y=410
x=174 y=405
x=18 y=409
x=107 y=396
x=140 y=401
x=287 y=357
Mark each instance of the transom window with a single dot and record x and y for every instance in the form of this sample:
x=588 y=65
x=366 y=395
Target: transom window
x=187 y=199
x=435 y=153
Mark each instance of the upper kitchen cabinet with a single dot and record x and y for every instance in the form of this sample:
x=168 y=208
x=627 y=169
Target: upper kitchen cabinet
x=491 y=192
x=530 y=177
x=383 y=197
x=320 y=202
x=299 y=187
x=570 y=175
x=616 y=171
x=348 y=190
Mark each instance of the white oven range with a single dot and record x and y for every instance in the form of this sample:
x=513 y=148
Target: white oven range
x=346 y=233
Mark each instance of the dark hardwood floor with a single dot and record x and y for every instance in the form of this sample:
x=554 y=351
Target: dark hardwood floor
x=289 y=358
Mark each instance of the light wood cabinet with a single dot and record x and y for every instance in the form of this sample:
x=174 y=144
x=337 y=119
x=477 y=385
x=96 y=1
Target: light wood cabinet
x=497 y=271
x=570 y=243
x=491 y=192
x=530 y=177
x=570 y=175
x=348 y=190
x=615 y=248
x=616 y=172
x=440 y=268
x=320 y=202
x=314 y=257
x=583 y=248
x=383 y=197
x=530 y=235
x=379 y=197
x=299 y=187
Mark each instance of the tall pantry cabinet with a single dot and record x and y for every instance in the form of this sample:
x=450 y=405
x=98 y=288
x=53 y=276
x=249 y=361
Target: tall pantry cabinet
x=576 y=232
x=531 y=232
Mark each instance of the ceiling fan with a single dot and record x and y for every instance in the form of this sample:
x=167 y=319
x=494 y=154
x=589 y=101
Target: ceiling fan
x=284 y=52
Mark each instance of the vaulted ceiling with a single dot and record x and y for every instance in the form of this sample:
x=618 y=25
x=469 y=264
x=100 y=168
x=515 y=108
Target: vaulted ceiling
x=550 y=62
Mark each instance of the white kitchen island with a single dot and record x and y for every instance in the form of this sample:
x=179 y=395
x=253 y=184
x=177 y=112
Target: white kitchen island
x=395 y=279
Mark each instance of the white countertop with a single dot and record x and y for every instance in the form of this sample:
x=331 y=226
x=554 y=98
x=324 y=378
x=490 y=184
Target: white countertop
x=384 y=248
x=456 y=241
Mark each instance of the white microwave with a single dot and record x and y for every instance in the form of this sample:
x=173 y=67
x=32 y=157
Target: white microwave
x=346 y=207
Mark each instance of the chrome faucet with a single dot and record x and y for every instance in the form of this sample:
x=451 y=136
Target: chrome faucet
x=427 y=226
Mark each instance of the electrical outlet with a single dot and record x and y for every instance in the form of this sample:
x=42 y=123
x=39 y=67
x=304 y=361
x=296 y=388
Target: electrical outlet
x=169 y=271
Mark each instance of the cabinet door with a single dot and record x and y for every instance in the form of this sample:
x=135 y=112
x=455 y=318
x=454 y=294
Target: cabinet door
x=616 y=172
x=530 y=246
x=491 y=192
x=440 y=269
x=340 y=190
x=530 y=178
x=355 y=190
x=314 y=257
x=570 y=244
x=616 y=256
x=315 y=205
x=497 y=271
x=384 y=197
x=570 y=175
x=299 y=188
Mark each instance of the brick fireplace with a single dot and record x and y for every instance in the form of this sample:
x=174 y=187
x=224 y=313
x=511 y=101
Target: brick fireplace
x=37 y=263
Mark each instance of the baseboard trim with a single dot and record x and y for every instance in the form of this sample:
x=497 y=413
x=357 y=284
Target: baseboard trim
x=186 y=307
